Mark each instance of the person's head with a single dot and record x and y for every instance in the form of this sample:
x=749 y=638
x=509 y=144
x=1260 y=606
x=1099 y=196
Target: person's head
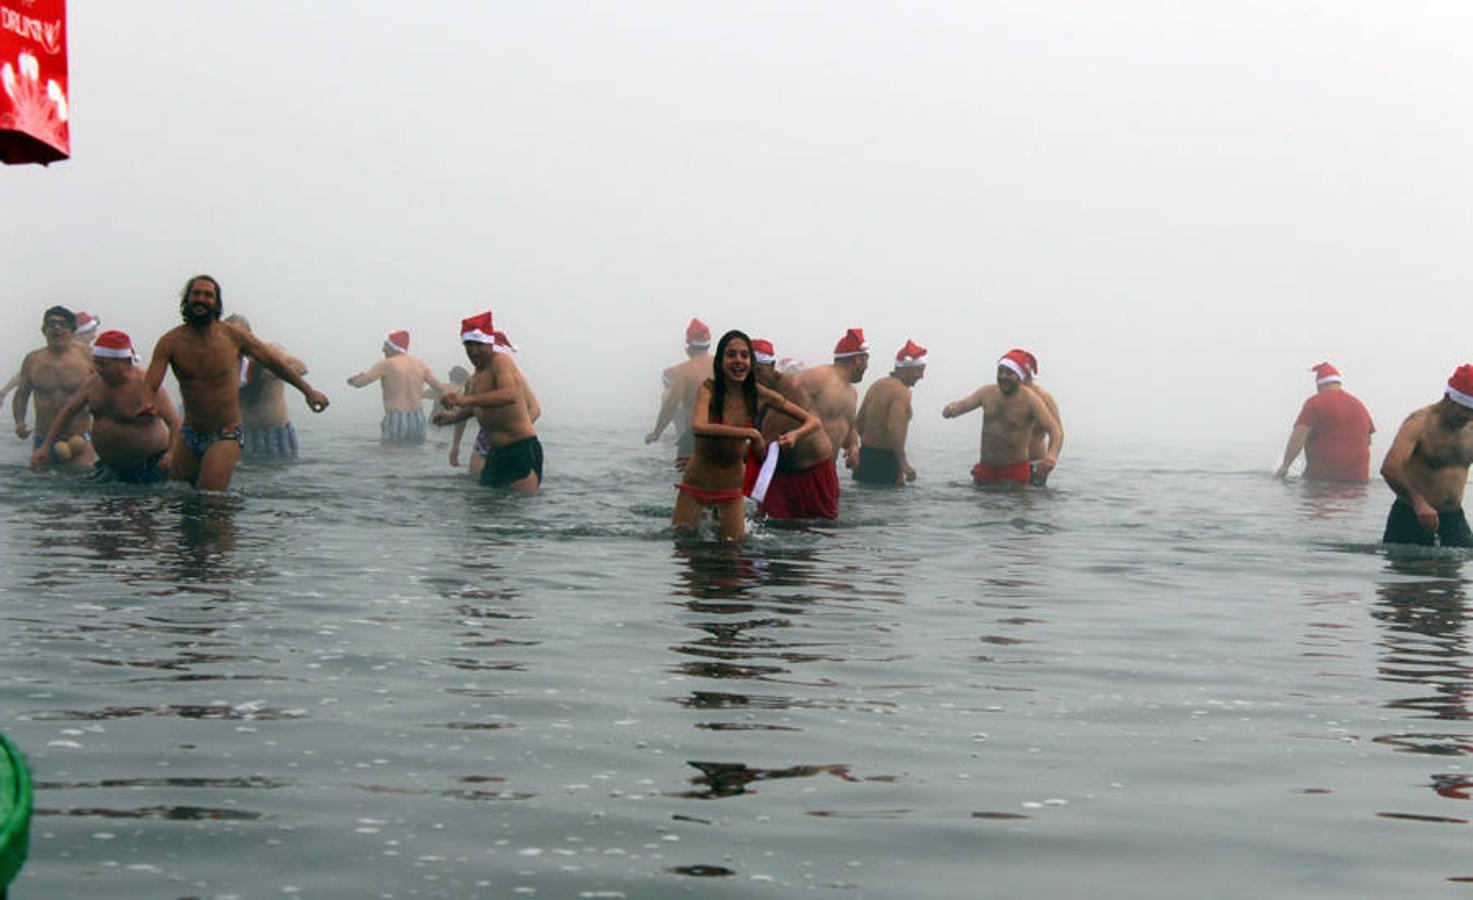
x=910 y=364
x=764 y=362
x=396 y=343
x=1326 y=377
x=201 y=301
x=87 y=325
x=239 y=321
x=697 y=338
x=851 y=355
x=458 y=375
x=1015 y=368
x=112 y=356
x=478 y=335
x=1456 y=406
x=731 y=369
x=58 y=324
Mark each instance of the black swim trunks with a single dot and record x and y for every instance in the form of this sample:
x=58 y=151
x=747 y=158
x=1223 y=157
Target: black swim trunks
x=512 y=463
x=877 y=466
x=146 y=472
x=1402 y=527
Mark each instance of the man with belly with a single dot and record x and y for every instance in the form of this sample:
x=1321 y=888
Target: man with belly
x=51 y=375
x=1427 y=467
x=132 y=427
x=806 y=483
x=502 y=402
x=1010 y=414
x=832 y=396
x=403 y=378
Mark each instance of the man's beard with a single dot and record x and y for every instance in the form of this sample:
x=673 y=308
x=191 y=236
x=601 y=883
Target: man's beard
x=193 y=318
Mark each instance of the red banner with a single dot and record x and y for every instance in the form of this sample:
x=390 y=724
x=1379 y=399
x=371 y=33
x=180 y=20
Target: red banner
x=33 y=82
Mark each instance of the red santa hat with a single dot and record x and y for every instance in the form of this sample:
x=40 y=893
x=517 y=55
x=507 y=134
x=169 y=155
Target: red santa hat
x=478 y=329
x=113 y=345
x=1021 y=362
x=87 y=323
x=763 y=353
x=911 y=355
x=1460 y=386
x=398 y=341
x=501 y=343
x=697 y=334
x=851 y=344
x=1324 y=373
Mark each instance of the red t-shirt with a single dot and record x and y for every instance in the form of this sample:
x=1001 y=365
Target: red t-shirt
x=1339 y=445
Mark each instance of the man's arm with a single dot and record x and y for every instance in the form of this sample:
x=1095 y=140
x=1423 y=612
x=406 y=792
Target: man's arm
x=1393 y=469
x=21 y=399
x=158 y=364
x=897 y=428
x=506 y=388
x=70 y=408
x=965 y=405
x=256 y=349
x=9 y=385
x=1055 y=436
x=1298 y=437
x=370 y=375
x=809 y=423
x=534 y=406
x=439 y=387
x=669 y=403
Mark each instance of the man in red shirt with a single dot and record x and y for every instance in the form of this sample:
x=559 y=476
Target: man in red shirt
x=1334 y=431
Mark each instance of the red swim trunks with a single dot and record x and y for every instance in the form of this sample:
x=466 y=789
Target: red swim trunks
x=702 y=495
x=810 y=494
x=1020 y=473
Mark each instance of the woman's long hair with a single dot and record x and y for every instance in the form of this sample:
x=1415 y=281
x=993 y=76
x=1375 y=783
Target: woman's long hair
x=718 y=380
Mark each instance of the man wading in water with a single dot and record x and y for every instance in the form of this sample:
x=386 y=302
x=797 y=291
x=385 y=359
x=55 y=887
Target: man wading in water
x=1427 y=467
x=205 y=355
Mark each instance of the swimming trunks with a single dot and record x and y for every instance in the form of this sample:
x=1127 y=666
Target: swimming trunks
x=810 y=494
x=146 y=472
x=481 y=447
x=199 y=443
x=1402 y=527
x=403 y=427
x=879 y=467
x=512 y=463
x=1019 y=473
x=703 y=495
x=278 y=441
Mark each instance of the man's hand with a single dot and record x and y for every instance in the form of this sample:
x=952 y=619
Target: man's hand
x=441 y=417
x=651 y=437
x=22 y=430
x=851 y=457
x=1282 y=473
x=454 y=456
x=40 y=458
x=1044 y=466
x=948 y=411
x=910 y=472
x=1426 y=516
x=451 y=399
x=316 y=401
x=787 y=439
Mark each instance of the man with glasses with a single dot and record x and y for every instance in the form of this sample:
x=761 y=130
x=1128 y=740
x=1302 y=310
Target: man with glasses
x=51 y=375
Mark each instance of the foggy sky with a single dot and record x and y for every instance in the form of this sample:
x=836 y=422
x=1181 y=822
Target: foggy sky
x=1177 y=206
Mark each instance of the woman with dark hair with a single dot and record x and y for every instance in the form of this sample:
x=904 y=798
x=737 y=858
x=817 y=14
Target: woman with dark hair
x=728 y=408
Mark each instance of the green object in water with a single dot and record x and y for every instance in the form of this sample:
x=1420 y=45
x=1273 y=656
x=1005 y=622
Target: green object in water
x=15 y=812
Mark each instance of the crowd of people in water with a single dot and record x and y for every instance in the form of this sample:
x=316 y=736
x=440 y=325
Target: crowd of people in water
x=748 y=424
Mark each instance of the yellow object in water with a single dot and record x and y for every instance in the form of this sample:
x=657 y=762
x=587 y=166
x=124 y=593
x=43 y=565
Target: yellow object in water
x=62 y=450
x=78 y=444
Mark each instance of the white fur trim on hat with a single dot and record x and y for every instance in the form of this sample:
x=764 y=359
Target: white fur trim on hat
x=1328 y=379
x=1017 y=369
x=909 y=363
x=1459 y=397
x=477 y=336
x=114 y=352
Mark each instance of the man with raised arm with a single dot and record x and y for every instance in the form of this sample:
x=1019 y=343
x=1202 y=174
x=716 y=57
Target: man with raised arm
x=1427 y=467
x=502 y=402
x=52 y=375
x=131 y=427
x=1010 y=413
x=205 y=355
x=831 y=393
x=681 y=381
x=1334 y=431
x=884 y=421
x=805 y=484
x=269 y=433
x=404 y=379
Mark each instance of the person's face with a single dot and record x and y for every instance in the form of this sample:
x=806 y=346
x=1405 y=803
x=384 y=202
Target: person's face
x=858 y=365
x=766 y=373
x=478 y=353
x=200 y=302
x=1008 y=380
x=736 y=360
x=909 y=375
x=58 y=333
x=1454 y=414
x=113 y=371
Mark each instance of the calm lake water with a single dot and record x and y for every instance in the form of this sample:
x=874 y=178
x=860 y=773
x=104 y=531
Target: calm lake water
x=362 y=675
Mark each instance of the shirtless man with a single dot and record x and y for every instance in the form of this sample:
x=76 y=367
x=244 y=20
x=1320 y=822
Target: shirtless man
x=205 y=356
x=682 y=380
x=404 y=378
x=884 y=420
x=53 y=374
x=479 y=448
x=269 y=432
x=1039 y=447
x=831 y=393
x=1010 y=413
x=499 y=398
x=806 y=482
x=131 y=428
x=1427 y=467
